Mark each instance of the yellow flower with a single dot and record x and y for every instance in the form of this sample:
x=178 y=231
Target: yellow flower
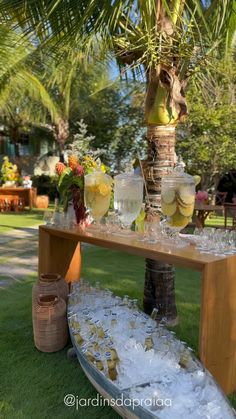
x=88 y=161
x=103 y=168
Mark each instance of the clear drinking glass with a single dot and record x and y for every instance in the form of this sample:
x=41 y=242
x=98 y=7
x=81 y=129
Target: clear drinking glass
x=112 y=222
x=48 y=218
x=140 y=230
x=128 y=198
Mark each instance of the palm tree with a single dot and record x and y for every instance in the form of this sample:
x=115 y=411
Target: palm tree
x=23 y=97
x=167 y=41
x=58 y=79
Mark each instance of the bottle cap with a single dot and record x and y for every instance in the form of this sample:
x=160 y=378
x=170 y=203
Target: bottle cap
x=108 y=355
x=84 y=346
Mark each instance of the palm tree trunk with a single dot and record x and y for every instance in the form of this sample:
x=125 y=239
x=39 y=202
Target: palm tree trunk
x=159 y=288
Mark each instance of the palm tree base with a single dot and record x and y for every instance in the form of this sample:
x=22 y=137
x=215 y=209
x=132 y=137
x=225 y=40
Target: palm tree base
x=159 y=291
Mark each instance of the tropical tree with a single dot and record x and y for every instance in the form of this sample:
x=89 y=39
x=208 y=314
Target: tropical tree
x=167 y=41
x=20 y=87
x=113 y=115
x=207 y=139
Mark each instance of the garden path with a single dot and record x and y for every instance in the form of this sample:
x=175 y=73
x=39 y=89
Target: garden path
x=18 y=255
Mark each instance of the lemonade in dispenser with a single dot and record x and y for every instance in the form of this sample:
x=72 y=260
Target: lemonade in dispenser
x=97 y=193
x=178 y=197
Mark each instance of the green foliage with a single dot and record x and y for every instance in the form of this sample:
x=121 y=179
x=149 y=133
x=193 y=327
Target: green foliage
x=66 y=181
x=113 y=113
x=21 y=89
x=136 y=32
x=45 y=185
x=207 y=140
x=81 y=142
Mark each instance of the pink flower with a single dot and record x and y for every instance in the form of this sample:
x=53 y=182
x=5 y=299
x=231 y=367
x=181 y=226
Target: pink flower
x=79 y=170
x=26 y=178
x=201 y=196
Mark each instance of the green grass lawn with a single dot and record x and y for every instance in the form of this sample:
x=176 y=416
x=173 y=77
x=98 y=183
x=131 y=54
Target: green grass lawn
x=16 y=220
x=33 y=384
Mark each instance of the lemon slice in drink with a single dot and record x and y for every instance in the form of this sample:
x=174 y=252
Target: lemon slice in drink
x=185 y=195
x=178 y=220
x=168 y=209
x=168 y=196
x=187 y=210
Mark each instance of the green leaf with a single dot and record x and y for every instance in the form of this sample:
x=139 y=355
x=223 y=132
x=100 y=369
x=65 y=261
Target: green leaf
x=66 y=172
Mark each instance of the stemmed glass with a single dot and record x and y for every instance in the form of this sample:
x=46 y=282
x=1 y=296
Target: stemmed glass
x=128 y=198
x=97 y=195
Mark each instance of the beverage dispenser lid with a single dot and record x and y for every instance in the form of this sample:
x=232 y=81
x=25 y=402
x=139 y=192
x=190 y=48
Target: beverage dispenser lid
x=128 y=175
x=178 y=172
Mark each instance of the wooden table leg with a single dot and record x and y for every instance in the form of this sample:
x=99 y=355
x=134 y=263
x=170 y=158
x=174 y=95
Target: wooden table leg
x=217 y=344
x=59 y=255
x=30 y=198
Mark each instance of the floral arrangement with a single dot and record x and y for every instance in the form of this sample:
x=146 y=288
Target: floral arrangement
x=71 y=181
x=202 y=197
x=81 y=159
x=9 y=172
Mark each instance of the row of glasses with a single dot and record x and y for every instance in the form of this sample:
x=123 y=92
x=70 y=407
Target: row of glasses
x=219 y=242
x=64 y=220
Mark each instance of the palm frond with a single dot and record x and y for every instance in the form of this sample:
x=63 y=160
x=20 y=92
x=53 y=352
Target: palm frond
x=131 y=30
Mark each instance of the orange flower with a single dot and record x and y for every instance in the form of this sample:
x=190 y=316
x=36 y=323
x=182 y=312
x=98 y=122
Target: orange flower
x=60 y=167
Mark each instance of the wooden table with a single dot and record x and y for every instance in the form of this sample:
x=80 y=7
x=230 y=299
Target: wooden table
x=201 y=212
x=27 y=194
x=59 y=251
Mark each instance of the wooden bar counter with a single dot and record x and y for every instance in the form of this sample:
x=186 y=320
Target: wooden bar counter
x=27 y=194
x=59 y=251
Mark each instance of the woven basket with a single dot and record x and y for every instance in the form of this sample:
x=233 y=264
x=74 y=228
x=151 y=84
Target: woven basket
x=50 y=323
x=42 y=201
x=52 y=284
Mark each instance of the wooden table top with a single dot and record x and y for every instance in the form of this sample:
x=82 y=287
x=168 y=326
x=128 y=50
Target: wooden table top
x=188 y=256
x=16 y=188
x=209 y=207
